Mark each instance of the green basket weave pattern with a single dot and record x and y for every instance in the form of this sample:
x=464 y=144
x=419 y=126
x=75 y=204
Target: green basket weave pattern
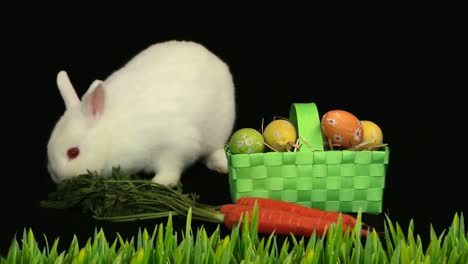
x=332 y=180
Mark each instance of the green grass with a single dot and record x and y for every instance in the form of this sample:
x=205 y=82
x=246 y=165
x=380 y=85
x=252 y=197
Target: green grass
x=243 y=245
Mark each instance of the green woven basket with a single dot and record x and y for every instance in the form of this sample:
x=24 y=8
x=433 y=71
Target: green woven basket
x=332 y=180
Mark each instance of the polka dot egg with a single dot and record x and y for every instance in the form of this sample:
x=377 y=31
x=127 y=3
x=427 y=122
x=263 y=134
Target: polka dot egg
x=342 y=128
x=246 y=141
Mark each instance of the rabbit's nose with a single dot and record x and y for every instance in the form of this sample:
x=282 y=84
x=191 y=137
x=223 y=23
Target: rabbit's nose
x=53 y=175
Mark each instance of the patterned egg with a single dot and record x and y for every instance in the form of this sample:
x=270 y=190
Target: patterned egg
x=280 y=134
x=246 y=141
x=371 y=133
x=342 y=128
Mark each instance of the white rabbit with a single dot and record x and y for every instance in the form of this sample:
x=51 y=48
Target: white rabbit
x=169 y=106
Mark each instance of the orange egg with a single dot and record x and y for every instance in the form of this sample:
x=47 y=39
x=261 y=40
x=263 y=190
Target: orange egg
x=342 y=128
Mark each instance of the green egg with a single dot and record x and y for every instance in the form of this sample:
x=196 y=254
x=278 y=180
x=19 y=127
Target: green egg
x=246 y=141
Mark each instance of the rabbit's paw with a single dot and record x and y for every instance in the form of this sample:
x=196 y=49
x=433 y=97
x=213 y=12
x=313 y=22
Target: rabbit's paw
x=217 y=161
x=170 y=179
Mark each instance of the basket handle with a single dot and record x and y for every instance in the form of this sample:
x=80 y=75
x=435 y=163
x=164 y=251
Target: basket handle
x=305 y=117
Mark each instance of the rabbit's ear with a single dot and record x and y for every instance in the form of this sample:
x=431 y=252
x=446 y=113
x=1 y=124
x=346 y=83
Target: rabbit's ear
x=91 y=88
x=93 y=101
x=94 y=85
x=66 y=89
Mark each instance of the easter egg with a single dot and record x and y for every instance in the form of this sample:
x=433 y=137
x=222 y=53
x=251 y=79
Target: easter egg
x=279 y=134
x=246 y=141
x=371 y=133
x=342 y=128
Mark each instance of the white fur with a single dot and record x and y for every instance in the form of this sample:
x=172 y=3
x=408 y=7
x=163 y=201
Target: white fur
x=169 y=106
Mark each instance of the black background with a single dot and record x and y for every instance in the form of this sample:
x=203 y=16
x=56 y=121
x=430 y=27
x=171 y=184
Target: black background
x=395 y=67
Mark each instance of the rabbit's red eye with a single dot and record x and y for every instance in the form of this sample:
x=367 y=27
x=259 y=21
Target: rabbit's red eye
x=73 y=152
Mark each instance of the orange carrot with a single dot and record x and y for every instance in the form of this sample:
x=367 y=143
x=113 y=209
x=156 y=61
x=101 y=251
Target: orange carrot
x=278 y=221
x=297 y=209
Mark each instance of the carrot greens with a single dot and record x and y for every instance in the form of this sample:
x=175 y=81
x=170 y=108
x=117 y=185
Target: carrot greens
x=123 y=198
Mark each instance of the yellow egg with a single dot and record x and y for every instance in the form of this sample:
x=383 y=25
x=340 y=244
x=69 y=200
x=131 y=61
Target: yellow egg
x=371 y=132
x=280 y=134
